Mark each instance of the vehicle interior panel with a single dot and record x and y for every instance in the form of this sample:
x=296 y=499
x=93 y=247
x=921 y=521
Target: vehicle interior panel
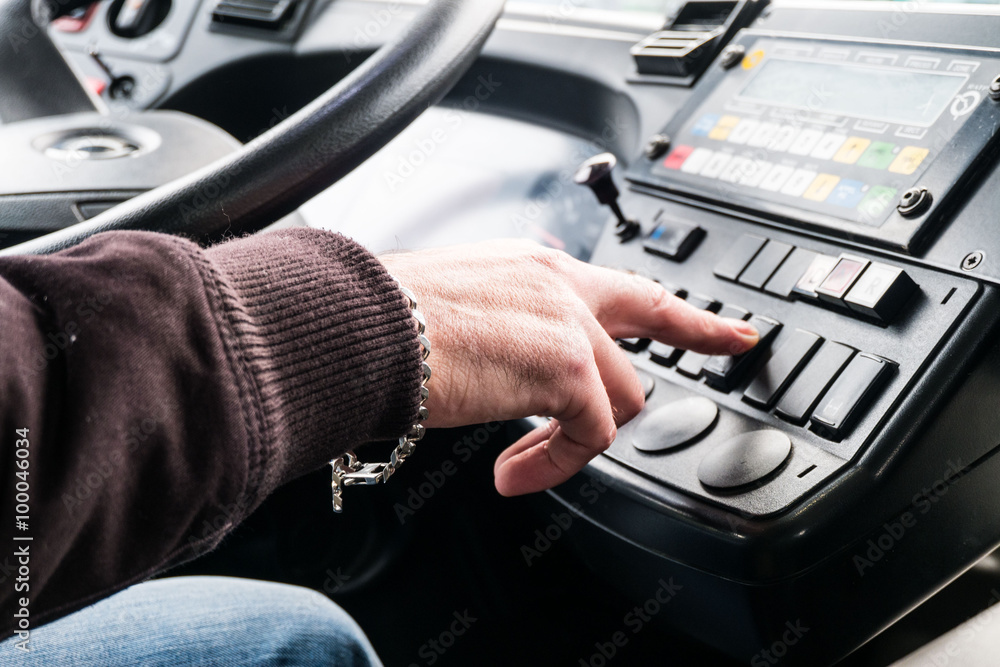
x=826 y=170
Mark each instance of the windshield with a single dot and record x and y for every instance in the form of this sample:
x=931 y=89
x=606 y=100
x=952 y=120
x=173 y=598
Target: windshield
x=659 y=6
x=666 y=7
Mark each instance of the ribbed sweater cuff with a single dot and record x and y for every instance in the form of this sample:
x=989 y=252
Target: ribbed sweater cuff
x=330 y=341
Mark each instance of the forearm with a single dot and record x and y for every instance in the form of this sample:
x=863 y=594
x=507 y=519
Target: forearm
x=166 y=391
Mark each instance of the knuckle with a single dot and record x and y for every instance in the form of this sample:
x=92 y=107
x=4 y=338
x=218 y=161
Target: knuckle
x=631 y=406
x=603 y=442
x=662 y=304
x=578 y=359
x=524 y=243
x=550 y=258
x=706 y=328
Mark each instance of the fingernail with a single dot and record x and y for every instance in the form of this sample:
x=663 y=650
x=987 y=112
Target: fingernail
x=747 y=332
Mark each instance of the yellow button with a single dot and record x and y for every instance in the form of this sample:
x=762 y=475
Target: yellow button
x=752 y=59
x=851 y=150
x=722 y=129
x=821 y=187
x=908 y=160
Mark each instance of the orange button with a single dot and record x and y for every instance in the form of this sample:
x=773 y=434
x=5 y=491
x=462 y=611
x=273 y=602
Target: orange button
x=851 y=150
x=908 y=160
x=752 y=59
x=821 y=187
x=724 y=127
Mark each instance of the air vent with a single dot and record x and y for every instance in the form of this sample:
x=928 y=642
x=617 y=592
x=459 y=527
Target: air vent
x=692 y=36
x=269 y=14
x=672 y=52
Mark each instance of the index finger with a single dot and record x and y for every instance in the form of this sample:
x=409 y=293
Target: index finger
x=628 y=305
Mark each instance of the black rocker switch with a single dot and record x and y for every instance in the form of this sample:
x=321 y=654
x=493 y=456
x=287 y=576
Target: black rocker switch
x=849 y=396
x=595 y=173
x=666 y=355
x=723 y=372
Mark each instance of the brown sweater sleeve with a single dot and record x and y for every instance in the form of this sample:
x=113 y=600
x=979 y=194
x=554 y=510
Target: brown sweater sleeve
x=165 y=391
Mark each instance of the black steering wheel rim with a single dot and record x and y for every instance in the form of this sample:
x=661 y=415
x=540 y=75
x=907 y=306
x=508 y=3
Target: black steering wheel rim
x=277 y=172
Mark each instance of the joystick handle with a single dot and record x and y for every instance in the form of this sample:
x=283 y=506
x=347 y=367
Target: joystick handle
x=595 y=173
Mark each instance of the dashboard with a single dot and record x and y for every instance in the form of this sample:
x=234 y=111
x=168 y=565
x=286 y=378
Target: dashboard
x=825 y=170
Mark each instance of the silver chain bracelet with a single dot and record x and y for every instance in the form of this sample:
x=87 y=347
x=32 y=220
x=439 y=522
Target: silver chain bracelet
x=347 y=469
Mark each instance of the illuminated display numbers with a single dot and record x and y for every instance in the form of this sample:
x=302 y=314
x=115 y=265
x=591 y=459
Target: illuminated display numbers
x=869 y=200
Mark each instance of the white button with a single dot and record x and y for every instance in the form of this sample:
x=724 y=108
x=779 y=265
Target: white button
x=776 y=178
x=799 y=181
x=716 y=164
x=805 y=142
x=697 y=160
x=754 y=176
x=764 y=135
x=742 y=132
x=783 y=139
x=872 y=285
x=828 y=146
x=735 y=169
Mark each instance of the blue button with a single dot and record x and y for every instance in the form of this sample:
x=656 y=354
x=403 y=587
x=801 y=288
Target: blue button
x=847 y=193
x=705 y=124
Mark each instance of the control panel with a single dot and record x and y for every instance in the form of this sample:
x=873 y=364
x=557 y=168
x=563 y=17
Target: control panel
x=859 y=140
x=843 y=336
x=794 y=189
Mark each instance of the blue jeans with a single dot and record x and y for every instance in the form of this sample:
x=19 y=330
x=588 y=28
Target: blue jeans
x=201 y=621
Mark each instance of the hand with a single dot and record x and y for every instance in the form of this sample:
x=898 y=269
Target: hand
x=518 y=330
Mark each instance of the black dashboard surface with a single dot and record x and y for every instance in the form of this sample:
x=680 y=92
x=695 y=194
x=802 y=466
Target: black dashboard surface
x=496 y=159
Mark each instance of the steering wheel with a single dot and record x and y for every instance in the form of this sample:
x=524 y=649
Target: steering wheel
x=274 y=174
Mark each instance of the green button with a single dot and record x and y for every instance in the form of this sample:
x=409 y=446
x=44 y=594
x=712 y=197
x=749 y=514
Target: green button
x=878 y=156
x=875 y=202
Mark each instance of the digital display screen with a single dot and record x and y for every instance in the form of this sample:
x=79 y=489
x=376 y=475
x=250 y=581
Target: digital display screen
x=875 y=93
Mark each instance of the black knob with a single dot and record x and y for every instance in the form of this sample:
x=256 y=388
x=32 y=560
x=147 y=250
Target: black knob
x=595 y=173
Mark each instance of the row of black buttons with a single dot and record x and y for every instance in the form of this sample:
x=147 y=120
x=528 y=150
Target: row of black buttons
x=847 y=282
x=826 y=383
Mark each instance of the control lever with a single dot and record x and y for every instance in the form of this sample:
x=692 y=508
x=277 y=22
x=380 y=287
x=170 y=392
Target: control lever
x=119 y=87
x=595 y=173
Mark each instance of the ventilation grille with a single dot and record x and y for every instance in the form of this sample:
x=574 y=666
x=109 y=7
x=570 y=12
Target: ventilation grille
x=674 y=43
x=268 y=14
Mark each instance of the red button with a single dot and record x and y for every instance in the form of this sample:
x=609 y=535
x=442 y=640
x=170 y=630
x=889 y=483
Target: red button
x=677 y=157
x=97 y=85
x=841 y=278
x=76 y=21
